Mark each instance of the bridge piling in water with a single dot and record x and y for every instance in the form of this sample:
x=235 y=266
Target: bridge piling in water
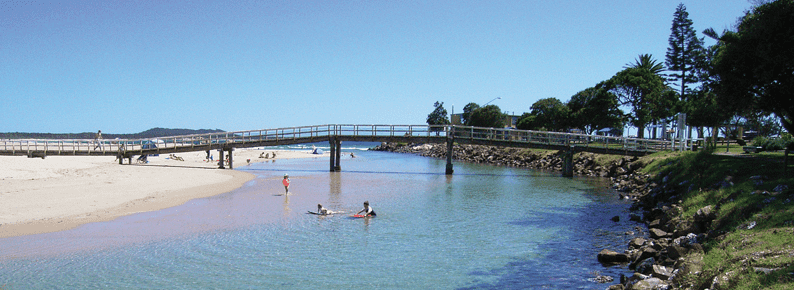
x=331 y=158
x=450 y=144
x=567 y=162
x=338 y=153
x=335 y=154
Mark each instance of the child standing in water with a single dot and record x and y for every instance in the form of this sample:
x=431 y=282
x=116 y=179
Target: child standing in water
x=368 y=211
x=285 y=182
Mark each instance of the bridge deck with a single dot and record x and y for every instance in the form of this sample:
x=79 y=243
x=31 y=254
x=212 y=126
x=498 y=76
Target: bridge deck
x=326 y=133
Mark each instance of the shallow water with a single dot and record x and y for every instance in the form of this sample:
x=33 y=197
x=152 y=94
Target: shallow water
x=485 y=227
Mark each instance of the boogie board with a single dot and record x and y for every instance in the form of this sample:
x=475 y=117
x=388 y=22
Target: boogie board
x=317 y=213
x=360 y=216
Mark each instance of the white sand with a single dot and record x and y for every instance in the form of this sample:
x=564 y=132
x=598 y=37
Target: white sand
x=61 y=192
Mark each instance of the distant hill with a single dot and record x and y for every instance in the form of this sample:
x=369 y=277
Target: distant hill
x=151 y=133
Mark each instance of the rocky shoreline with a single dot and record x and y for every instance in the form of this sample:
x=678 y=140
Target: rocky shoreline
x=673 y=245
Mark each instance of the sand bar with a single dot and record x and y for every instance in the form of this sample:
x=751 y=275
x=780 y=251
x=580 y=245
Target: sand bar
x=61 y=192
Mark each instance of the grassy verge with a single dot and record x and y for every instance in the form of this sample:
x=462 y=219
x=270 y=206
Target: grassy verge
x=751 y=241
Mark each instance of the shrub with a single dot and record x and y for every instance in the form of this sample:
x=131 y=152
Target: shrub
x=772 y=144
x=759 y=141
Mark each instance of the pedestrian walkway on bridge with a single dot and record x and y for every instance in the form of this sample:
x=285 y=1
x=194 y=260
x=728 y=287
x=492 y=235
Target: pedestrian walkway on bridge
x=226 y=142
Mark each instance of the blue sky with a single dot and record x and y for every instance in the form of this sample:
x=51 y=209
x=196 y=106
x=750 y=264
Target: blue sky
x=125 y=67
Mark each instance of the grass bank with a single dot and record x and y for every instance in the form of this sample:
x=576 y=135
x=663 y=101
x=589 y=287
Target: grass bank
x=750 y=243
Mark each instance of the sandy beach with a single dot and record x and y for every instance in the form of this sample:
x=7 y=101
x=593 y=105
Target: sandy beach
x=61 y=192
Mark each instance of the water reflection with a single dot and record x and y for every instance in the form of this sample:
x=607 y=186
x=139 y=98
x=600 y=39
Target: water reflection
x=287 y=210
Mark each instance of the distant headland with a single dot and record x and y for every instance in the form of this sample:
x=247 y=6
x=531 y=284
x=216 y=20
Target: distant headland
x=151 y=133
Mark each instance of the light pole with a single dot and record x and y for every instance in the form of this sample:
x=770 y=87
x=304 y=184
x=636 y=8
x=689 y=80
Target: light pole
x=497 y=98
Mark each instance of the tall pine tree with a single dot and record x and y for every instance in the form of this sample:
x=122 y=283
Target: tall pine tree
x=685 y=56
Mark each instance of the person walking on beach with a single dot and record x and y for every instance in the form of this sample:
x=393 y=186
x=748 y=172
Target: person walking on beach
x=368 y=211
x=285 y=182
x=98 y=140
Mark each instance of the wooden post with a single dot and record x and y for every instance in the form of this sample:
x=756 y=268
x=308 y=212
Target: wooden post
x=450 y=143
x=338 y=153
x=220 y=159
x=333 y=149
x=567 y=162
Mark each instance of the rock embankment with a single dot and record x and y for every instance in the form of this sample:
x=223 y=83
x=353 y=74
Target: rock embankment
x=623 y=169
x=672 y=246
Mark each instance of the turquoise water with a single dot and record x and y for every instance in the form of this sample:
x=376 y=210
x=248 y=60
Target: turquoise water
x=485 y=227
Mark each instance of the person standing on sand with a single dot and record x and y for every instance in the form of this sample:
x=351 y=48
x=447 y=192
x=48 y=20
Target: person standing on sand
x=368 y=211
x=98 y=139
x=286 y=182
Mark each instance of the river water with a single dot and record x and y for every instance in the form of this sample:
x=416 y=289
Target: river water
x=484 y=227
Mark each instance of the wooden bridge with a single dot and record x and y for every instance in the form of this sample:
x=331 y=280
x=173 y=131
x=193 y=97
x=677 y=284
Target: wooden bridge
x=335 y=134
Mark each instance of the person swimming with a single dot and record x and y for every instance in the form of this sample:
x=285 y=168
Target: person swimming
x=368 y=211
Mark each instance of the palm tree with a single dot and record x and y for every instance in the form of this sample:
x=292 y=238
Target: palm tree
x=646 y=61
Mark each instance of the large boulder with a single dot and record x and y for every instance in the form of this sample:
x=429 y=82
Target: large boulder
x=612 y=257
x=661 y=272
x=658 y=233
x=675 y=251
x=636 y=243
x=705 y=214
x=646 y=266
x=649 y=284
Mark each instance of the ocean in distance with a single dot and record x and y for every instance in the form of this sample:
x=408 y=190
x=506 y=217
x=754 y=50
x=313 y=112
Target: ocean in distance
x=484 y=227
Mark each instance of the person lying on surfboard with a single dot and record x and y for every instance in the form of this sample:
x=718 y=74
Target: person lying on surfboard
x=368 y=211
x=323 y=211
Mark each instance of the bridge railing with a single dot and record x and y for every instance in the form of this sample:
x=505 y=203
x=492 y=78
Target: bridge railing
x=390 y=130
x=558 y=139
x=307 y=134
x=59 y=147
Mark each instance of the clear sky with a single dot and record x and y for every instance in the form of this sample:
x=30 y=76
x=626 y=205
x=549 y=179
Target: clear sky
x=128 y=66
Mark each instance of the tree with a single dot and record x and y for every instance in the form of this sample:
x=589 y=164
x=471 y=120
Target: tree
x=594 y=109
x=438 y=116
x=704 y=111
x=470 y=107
x=526 y=122
x=489 y=116
x=685 y=55
x=550 y=114
x=755 y=64
x=640 y=87
x=702 y=108
x=646 y=62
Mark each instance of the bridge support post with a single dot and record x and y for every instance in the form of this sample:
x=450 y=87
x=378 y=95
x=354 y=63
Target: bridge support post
x=332 y=141
x=220 y=159
x=450 y=143
x=338 y=153
x=567 y=162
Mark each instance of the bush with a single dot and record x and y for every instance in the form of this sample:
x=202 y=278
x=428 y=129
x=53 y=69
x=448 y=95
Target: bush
x=759 y=141
x=741 y=142
x=769 y=144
